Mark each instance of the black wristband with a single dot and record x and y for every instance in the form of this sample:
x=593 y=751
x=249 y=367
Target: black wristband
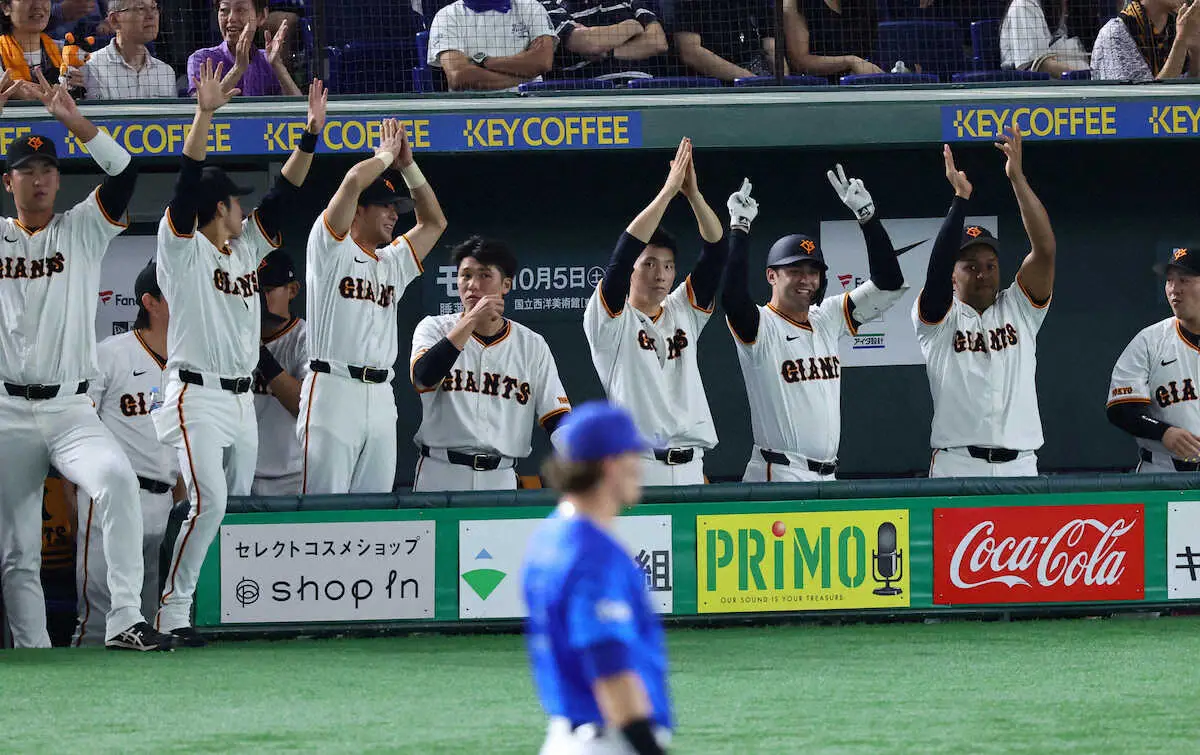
x=308 y=142
x=640 y=735
x=268 y=366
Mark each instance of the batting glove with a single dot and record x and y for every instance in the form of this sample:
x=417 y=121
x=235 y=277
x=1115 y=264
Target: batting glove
x=852 y=193
x=743 y=208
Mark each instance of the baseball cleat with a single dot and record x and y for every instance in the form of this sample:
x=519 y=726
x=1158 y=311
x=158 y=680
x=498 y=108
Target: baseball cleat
x=142 y=637
x=188 y=637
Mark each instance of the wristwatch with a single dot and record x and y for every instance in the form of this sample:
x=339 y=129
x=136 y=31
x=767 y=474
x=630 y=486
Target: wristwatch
x=479 y=59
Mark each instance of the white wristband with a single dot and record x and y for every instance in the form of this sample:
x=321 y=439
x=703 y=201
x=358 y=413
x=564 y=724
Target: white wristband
x=413 y=177
x=110 y=156
x=385 y=157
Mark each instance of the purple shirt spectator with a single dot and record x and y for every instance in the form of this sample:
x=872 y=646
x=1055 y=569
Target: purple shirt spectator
x=258 y=81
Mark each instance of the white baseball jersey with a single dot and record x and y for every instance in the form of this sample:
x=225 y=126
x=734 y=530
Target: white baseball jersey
x=279 y=451
x=49 y=281
x=981 y=371
x=352 y=292
x=214 y=297
x=494 y=393
x=1160 y=368
x=129 y=385
x=648 y=365
x=793 y=374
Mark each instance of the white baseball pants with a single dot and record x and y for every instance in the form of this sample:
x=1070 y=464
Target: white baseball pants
x=288 y=485
x=217 y=436
x=655 y=472
x=958 y=462
x=759 y=469
x=65 y=432
x=560 y=740
x=347 y=429
x=91 y=567
x=1159 y=464
x=434 y=475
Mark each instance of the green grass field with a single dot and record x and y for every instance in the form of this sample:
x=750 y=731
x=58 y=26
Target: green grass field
x=1076 y=686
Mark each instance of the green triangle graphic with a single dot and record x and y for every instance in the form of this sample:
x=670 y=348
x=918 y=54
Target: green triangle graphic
x=484 y=581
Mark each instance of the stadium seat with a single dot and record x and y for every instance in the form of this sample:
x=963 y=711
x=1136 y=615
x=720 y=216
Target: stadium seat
x=788 y=81
x=423 y=79
x=675 y=82
x=927 y=46
x=565 y=85
x=1084 y=75
x=872 y=79
x=985 y=45
x=1001 y=74
x=379 y=21
x=370 y=67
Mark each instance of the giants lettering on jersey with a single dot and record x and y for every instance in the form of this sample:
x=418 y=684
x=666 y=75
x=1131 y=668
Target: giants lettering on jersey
x=134 y=406
x=822 y=368
x=244 y=285
x=675 y=344
x=357 y=288
x=19 y=267
x=997 y=339
x=1172 y=393
x=460 y=380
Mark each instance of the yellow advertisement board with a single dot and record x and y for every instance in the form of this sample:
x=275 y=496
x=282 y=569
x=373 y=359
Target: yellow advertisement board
x=818 y=561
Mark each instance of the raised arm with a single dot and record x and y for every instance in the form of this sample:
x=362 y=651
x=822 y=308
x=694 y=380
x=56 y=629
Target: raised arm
x=210 y=95
x=706 y=277
x=340 y=212
x=275 y=205
x=431 y=221
x=938 y=294
x=1036 y=275
x=740 y=311
x=274 y=53
x=881 y=255
x=1187 y=24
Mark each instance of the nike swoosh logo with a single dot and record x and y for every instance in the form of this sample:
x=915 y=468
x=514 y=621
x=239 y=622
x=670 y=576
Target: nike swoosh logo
x=792 y=338
x=361 y=262
x=11 y=241
x=139 y=373
x=1173 y=361
x=909 y=248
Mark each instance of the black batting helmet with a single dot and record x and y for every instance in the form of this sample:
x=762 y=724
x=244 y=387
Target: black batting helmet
x=797 y=248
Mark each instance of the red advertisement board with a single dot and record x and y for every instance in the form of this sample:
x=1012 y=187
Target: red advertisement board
x=1038 y=554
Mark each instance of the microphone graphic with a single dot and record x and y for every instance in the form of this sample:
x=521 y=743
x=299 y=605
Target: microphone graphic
x=887 y=563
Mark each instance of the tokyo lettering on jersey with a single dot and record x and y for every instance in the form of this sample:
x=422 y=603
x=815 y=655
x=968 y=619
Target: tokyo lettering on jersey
x=214 y=297
x=1161 y=369
x=494 y=393
x=279 y=451
x=352 y=292
x=981 y=372
x=49 y=279
x=129 y=384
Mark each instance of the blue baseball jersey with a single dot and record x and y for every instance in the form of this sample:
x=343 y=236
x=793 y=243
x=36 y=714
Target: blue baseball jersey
x=585 y=592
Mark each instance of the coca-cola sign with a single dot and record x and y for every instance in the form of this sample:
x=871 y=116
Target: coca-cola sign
x=1038 y=554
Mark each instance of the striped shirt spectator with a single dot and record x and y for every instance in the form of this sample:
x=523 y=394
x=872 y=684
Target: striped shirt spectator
x=621 y=39
x=125 y=69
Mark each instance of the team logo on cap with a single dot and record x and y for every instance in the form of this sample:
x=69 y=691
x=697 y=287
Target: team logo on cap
x=388 y=184
x=1178 y=253
x=808 y=245
x=974 y=231
x=36 y=142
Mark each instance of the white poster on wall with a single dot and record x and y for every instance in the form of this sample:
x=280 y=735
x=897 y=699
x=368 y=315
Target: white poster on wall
x=891 y=339
x=326 y=571
x=1183 y=550
x=490 y=553
x=117 y=307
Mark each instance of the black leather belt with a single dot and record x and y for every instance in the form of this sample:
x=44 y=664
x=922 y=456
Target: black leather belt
x=1180 y=465
x=41 y=392
x=365 y=374
x=820 y=467
x=674 y=456
x=153 y=486
x=993 y=455
x=233 y=385
x=478 y=462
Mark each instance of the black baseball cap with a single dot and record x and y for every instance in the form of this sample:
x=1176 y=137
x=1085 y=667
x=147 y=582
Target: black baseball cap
x=1186 y=258
x=32 y=147
x=796 y=248
x=147 y=283
x=216 y=186
x=387 y=190
x=975 y=235
x=276 y=270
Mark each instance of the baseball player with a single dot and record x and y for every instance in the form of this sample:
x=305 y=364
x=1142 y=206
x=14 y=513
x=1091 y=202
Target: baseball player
x=980 y=343
x=788 y=349
x=643 y=335
x=127 y=389
x=1153 y=395
x=596 y=647
x=282 y=365
x=484 y=380
x=208 y=258
x=356 y=272
x=49 y=277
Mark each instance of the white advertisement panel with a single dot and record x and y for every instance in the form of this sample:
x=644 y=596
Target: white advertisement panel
x=1183 y=550
x=490 y=553
x=117 y=308
x=327 y=571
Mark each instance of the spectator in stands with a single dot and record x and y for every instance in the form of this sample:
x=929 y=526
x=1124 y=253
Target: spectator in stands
x=830 y=37
x=125 y=69
x=726 y=39
x=24 y=45
x=81 y=17
x=1029 y=43
x=259 y=73
x=1147 y=41
x=598 y=40
x=491 y=45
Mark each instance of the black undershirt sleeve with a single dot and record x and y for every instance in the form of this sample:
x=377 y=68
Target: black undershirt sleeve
x=272 y=207
x=116 y=192
x=553 y=422
x=735 y=295
x=706 y=277
x=434 y=365
x=182 y=208
x=938 y=294
x=1133 y=419
x=615 y=286
x=881 y=256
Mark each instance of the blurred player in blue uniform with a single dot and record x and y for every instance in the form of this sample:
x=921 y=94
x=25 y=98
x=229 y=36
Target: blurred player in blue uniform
x=595 y=644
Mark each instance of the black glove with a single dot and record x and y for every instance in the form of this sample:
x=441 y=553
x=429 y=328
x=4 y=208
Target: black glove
x=268 y=368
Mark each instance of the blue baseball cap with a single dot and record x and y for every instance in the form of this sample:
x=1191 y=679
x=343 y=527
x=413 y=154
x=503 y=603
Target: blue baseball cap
x=597 y=430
